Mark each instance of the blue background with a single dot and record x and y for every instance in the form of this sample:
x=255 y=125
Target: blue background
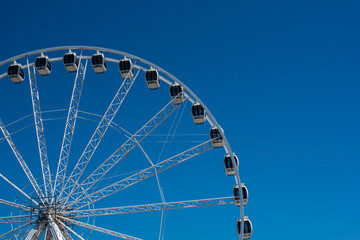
x=281 y=77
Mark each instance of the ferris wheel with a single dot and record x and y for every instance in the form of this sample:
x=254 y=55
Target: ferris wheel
x=98 y=138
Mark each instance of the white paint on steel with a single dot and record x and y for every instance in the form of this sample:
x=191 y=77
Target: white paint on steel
x=188 y=93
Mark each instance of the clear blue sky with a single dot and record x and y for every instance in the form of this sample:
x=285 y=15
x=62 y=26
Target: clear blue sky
x=281 y=77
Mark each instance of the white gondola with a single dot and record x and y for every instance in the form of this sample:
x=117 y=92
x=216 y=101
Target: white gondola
x=16 y=72
x=152 y=79
x=247 y=227
x=176 y=93
x=43 y=65
x=236 y=194
x=125 y=67
x=98 y=62
x=216 y=138
x=198 y=113
x=71 y=62
x=228 y=165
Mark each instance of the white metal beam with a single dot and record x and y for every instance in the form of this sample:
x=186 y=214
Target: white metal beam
x=126 y=148
x=15 y=219
x=18 y=229
x=64 y=231
x=99 y=132
x=35 y=99
x=17 y=188
x=54 y=230
x=35 y=233
x=31 y=234
x=70 y=230
x=70 y=125
x=16 y=205
x=144 y=174
x=152 y=207
x=99 y=229
x=21 y=160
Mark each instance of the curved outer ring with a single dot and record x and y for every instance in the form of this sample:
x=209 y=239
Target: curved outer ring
x=188 y=93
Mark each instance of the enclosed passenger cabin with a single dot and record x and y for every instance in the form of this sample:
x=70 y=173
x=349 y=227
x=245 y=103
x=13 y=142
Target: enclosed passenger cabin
x=152 y=79
x=236 y=194
x=98 y=62
x=228 y=165
x=198 y=113
x=125 y=67
x=176 y=93
x=43 y=65
x=216 y=138
x=16 y=72
x=247 y=227
x=71 y=62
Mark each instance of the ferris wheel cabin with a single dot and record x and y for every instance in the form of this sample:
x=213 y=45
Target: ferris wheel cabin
x=43 y=65
x=198 y=113
x=176 y=93
x=152 y=79
x=71 y=62
x=247 y=227
x=16 y=72
x=228 y=165
x=125 y=67
x=217 y=140
x=98 y=62
x=236 y=194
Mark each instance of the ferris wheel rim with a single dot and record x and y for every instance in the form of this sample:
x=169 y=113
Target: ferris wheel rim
x=187 y=92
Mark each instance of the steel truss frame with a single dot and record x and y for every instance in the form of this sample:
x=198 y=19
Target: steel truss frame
x=18 y=189
x=152 y=207
x=143 y=174
x=99 y=229
x=21 y=160
x=15 y=219
x=40 y=134
x=99 y=133
x=19 y=231
x=126 y=148
x=70 y=125
x=106 y=121
x=15 y=205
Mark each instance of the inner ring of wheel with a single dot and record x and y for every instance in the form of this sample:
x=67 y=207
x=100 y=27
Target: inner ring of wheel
x=187 y=92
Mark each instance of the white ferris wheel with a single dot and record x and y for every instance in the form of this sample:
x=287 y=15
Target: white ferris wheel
x=92 y=147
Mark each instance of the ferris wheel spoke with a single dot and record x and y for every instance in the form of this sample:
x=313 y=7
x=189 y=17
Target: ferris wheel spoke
x=99 y=132
x=18 y=189
x=162 y=221
x=15 y=219
x=64 y=231
x=144 y=174
x=15 y=205
x=46 y=233
x=16 y=231
x=127 y=147
x=121 y=130
x=99 y=229
x=39 y=130
x=64 y=196
x=21 y=160
x=24 y=233
x=65 y=205
x=35 y=232
x=70 y=125
x=70 y=230
x=18 y=234
x=55 y=230
x=152 y=207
